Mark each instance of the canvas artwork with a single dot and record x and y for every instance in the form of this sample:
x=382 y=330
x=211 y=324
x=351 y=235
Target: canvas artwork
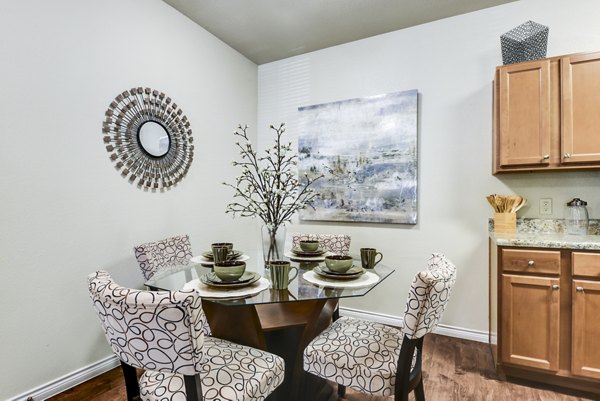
x=367 y=151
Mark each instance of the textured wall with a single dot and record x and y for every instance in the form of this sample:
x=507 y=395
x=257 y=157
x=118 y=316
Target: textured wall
x=65 y=211
x=451 y=62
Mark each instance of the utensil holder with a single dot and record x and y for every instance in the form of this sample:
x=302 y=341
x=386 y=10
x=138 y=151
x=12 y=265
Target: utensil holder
x=505 y=223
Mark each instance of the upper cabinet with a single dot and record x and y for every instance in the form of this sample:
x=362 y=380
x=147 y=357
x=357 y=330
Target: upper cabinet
x=547 y=114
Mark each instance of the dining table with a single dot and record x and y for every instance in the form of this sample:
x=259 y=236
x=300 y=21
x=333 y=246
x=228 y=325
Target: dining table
x=282 y=322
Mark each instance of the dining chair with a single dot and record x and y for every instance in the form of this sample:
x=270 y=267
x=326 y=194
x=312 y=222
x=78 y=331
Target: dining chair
x=156 y=256
x=165 y=255
x=336 y=243
x=161 y=332
x=382 y=360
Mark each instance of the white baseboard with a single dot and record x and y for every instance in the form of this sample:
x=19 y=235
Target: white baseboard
x=69 y=380
x=442 y=329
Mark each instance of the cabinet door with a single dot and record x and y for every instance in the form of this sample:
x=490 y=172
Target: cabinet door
x=580 y=105
x=524 y=131
x=530 y=321
x=585 y=359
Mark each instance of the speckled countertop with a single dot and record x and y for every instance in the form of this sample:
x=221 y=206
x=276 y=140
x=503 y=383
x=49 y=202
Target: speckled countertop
x=547 y=233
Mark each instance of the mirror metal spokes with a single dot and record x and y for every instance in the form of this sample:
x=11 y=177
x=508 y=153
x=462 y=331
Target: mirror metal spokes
x=149 y=138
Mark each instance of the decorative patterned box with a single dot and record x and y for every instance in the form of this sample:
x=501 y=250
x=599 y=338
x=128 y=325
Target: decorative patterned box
x=526 y=42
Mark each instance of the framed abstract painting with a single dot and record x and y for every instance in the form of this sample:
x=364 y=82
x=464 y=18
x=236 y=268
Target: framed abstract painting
x=366 y=150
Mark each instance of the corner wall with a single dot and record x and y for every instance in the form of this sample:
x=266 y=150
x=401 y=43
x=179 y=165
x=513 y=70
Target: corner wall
x=451 y=62
x=65 y=211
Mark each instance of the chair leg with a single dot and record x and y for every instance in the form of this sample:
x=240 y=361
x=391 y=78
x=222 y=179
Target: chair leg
x=419 y=391
x=193 y=387
x=131 y=382
x=341 y=390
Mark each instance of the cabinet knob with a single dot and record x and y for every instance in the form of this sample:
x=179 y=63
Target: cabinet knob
x=555 y=287
x=579 y=289
x=530 y=263
x=546 y=157
x=567 y=155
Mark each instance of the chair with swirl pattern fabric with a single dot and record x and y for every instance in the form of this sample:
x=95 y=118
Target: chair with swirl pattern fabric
x=161 y=332
x=381 y=360
x=335 y=243
x=156 y=256
x=163 y=256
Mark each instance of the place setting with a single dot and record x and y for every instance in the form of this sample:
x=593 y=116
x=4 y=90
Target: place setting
x=340 y=271
x=228 y=277
x=307 y=251
x=224 y=250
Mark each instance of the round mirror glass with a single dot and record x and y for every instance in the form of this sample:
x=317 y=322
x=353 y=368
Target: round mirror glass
x=154 y=138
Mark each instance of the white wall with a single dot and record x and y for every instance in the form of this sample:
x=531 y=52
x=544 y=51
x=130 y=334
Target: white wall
x=65 y=211
x=451 y=62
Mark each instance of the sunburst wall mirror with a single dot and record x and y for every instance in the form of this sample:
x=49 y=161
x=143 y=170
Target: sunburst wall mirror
x=149 y=138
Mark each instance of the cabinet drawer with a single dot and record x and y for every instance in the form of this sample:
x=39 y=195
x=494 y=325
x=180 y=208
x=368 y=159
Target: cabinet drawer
x=518 y=260
x=586 y=264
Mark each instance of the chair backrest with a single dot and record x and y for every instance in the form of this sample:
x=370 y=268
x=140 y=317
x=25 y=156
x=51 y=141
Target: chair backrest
x=172 y=251
x=155 y=330
x=336 y=243
x=428 y=296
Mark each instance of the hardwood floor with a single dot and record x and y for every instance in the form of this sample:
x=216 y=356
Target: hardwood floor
x=454 y=370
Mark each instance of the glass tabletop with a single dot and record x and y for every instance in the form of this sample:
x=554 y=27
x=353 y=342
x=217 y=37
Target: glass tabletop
x=299 y=289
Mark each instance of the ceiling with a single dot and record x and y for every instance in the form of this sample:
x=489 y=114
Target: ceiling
x=269 y=30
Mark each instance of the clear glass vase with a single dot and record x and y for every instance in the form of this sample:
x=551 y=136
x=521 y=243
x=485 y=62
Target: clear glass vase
x=273 y=242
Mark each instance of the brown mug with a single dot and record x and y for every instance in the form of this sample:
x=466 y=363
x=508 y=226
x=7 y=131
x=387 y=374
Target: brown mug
x=280 y=273
x=368 y=257
x=220 y=253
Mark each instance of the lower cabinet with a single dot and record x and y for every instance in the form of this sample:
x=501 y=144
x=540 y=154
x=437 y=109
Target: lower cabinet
x=585 y=335
x=545 y=318
x=530 y=321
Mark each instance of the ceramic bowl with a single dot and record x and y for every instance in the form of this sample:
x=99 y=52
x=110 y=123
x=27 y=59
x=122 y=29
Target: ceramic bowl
x=230 y=270
x=309 y=245
x=338 y=263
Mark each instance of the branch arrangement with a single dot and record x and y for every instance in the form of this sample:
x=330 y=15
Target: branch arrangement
x=268 y=187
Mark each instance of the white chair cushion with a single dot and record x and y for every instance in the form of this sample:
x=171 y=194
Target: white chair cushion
x=358 y=354
x=229 y=372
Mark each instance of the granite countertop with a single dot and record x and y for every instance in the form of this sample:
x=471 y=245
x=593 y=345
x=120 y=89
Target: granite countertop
x=547 y=233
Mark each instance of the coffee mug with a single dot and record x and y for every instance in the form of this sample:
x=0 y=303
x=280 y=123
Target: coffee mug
x=367 y=257
x=220 y=253
x=229 y=245
x=280 y=273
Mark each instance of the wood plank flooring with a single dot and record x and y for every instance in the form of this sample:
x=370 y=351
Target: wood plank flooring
x=454 y=370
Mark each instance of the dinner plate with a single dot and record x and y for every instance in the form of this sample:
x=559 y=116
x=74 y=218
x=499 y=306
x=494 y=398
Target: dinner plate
x=234 y=254
x=319 y=270
x=209 y=262
x=212 y=277
x=298 y=258
x=298 y=251
x=248 y=278
x=353 y=271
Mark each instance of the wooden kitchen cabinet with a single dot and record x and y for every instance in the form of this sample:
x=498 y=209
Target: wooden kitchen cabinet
x=530 y=321
x=544 y=315
x=546 y=114
x=586 y=315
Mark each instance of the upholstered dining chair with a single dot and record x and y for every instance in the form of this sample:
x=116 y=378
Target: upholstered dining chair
x=154 y=256
x=336 y=243
x=161 y=332
x=381 y=360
